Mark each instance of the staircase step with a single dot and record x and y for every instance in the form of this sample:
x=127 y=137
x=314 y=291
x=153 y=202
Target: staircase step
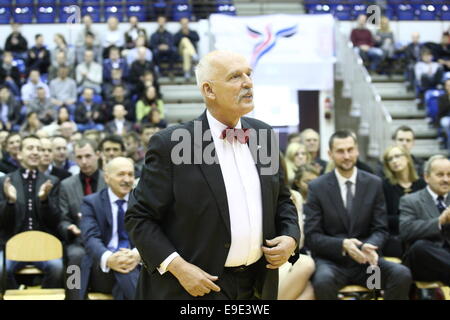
x=403 y=109
x=393 y=91
x=182 y=112
x=384 y=78
x=181 y=93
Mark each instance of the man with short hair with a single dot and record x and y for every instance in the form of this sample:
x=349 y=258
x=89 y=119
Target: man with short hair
x=9 y=73
x=89 y=114
x=111 y=147
x=43 y=106
x=29 y=90
x=161 y=44
x=245 y=224
x=45 y=164
x=29 y=201
x=311 y=139
x=114 y=62
x=89 y=73
x=112 y=263
x=39 y=56
x=346 y=224
x=186 y=42
x=425 y=224
x=63 y=90
x=60 y=156
x=73 y=189
x=119 y=125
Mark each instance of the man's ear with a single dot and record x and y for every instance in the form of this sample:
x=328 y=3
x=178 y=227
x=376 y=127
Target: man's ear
x=208 y=91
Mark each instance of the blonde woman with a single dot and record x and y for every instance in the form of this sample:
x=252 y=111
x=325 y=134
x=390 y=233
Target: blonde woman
x=296 y=156
x=294 y=278
x=400 y=178
x=384 y=38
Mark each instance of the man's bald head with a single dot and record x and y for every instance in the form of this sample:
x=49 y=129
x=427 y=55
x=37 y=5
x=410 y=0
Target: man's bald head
x=116 y=163
x=119 y=175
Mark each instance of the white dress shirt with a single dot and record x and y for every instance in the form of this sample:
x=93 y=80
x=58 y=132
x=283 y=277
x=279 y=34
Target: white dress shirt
x=343 y=187
x=435 y=196
x=113 y=243
x=243 y=190
x=119 y=125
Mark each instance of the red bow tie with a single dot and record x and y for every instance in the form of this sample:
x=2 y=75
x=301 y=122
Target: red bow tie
x=241 y=135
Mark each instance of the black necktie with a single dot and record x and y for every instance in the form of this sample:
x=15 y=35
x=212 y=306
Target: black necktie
x=123 y=236
x=440 y=204
x=349 y=196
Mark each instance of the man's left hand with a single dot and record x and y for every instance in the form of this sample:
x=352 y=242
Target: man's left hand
x=279 y=251
x=44 y=190
x=370 y=251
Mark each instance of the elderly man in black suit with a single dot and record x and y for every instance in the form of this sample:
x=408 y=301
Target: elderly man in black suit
x=215 y=229
x=29 y=201
x=346 y=224
x=425 y=224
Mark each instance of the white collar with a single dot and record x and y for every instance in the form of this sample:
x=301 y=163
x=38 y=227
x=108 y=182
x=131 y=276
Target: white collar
x=342 y=180
x=216 y=126
x=434 y=195
x=113 y=198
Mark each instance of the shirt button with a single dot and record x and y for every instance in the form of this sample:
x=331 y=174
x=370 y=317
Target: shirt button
x=227 y=245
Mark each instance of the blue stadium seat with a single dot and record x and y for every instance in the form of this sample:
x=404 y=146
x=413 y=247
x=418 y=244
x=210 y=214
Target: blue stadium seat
x=390 y=12
x=427 y=12
x=46 y=11
x=93 y=10
x=343 y=12
x=319 y=9
x=225 y=7
x=66 y=10
x=5 y=14
x=181 y=9
x=23 y=14
x=445 y=12
x=405 y=12
x=114 y=8
x=137 y=9
x=24 y=2
x=359 y=9
x=431 y=103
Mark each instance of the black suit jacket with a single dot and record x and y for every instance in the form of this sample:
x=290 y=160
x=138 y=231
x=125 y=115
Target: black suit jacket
x=81 y=115
x=327 y=222
x=184 y=208
x=61 y=174
x=12 y=215
x=111 y=127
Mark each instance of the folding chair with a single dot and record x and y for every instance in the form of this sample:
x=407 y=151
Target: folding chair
x=33 y=246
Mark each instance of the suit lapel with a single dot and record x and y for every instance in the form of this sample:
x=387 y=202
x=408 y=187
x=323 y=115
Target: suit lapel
x=212 y=173
x=108 y=212
x=336 y=198
x=360 y=190
x=428 y=202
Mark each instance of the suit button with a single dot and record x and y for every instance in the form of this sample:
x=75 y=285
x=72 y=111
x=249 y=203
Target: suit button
x=227 y=245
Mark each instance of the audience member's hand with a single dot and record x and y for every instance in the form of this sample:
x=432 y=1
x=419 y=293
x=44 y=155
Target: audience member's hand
x=279 y=251
x=364 y=47
x=121 y=261
x=9 y=190
x=351 y=247
x=133 y=258
x=370 y=251
x=74 y=229
x=45 y=189
x=444 y=218
x=193 y=279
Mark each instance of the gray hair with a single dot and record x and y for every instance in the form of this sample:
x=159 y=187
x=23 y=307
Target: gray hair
x=429 y=163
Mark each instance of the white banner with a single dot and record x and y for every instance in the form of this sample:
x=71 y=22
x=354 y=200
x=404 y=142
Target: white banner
x=287 y=53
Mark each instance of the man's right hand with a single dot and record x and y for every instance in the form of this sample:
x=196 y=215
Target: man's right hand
x=193 y=279
x=9 y=190
x=444 y=218
x=351 y=247
x=74 y=229
x=120 y=261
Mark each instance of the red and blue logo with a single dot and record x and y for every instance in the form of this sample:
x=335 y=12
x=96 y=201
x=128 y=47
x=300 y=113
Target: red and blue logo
x=267 y=41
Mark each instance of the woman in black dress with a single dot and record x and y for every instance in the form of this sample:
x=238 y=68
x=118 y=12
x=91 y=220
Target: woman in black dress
x=400 y=178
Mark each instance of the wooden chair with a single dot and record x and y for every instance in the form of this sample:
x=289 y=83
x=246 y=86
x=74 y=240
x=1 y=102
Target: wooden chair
x=33 y=246
x=99 y=296
x=356 y=292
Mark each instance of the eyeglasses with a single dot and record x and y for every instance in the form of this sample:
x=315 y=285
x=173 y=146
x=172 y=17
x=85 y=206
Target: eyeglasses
x=394 y=157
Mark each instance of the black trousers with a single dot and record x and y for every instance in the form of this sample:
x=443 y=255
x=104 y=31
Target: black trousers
x=74 y=254
x=429 y=261
x=330 y=277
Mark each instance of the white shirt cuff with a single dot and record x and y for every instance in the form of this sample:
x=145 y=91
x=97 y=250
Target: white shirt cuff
x=104 y=259
x=163 y=266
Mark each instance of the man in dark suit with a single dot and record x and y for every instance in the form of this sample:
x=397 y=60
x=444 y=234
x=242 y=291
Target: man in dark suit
x=346 y=224
x=45 y=164
x=425 y=224
x=221 y=226
x=73 y=189
x=88 y=114
x=119 y=125
x=111 y=263
x=29 y=201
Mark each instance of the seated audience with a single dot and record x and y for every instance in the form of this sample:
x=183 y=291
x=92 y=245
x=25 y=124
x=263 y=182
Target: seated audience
x=132 y=54
x=346 y=226
x=186 y=41
x=60 y=155
x=134 y=33
x=311 y=139
x=63 y=90
x=148 y=101
x=114 y=62
x=10 y=153
x=296 y=156
x=89 y=73
x=303 y=176
x=428 y=74
x=162 y=46
x=60 y=61
x=88 y=114
x=443 y=116
x=400 y=178
x=9 y=110
x=16 y=43
x=9 y=73
x=43 y=106
x=38 y=56
x=29 y=201
x=31 y=125
x=61 y=45
x=90 y=44
x=119 y=125
x=29 y=90
x=112 y=263
x=425 y=224
x=45 y=163
x=112 y=37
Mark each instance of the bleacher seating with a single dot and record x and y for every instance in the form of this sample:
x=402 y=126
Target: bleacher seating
x=113 y=8
x=46 y=11
x=181 y=9
x=138 y=9
x=225 y=7
x=92 y=8
x=23 y=11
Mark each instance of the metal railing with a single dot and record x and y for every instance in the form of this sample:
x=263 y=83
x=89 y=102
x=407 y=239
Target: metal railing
x=375 y=119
